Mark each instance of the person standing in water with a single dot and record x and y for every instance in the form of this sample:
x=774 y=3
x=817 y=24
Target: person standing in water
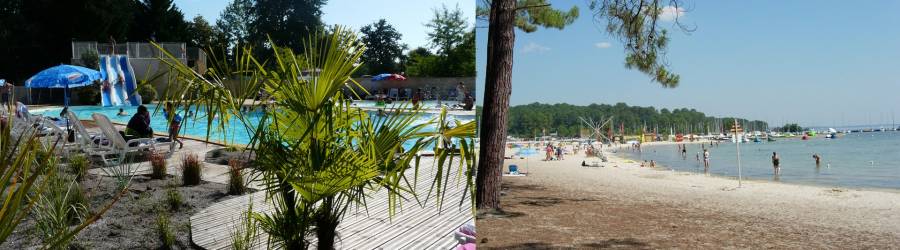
x=818 y=159
x=705 y=158
x=775 y=162
x=683 y=152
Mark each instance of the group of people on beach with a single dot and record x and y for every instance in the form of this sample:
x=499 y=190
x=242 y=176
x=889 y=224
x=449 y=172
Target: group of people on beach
x=552 y=151
x=776 y=159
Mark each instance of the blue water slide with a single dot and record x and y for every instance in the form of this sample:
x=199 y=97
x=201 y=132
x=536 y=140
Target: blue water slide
x=105 y=99
x=130 y=82
x=119 y=86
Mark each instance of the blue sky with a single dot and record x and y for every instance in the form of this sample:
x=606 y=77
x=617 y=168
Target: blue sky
x=811 y=62
x=407 y=16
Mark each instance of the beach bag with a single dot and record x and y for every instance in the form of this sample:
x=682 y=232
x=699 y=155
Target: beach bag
x=513 y=169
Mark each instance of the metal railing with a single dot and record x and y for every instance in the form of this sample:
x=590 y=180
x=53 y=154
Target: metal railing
x=133 y=50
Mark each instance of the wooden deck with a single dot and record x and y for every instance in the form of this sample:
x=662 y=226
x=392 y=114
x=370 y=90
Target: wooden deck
x=412 y=227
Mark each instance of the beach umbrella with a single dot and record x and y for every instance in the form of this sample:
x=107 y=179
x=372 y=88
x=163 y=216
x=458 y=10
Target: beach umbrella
x=381 y=77
x=397 y=77
x=64 y=77
x=525 y=152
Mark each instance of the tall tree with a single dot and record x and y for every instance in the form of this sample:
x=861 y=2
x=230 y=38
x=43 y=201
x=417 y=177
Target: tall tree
x=448 y=29
x=383 y=47
x=632 y=21
x=203 y=35
x=287 y=22
x=504 y=16
x=235 y=22
x=159 y=20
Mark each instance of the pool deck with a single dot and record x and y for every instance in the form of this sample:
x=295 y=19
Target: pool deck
x=413 y=226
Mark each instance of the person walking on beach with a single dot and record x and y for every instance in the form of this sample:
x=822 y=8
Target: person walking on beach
x=174 y=124
x=775 y=161
x=559 y=153
x=818 y=159
x=705 y=158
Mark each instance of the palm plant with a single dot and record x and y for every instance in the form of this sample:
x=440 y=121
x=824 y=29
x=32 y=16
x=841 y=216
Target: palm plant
x=316 y=154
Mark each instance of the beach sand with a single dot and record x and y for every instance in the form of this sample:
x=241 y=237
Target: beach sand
x=561 y=204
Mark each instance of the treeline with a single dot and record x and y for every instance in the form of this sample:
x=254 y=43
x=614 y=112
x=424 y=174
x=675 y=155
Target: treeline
x=36 y=34
x=538 y=119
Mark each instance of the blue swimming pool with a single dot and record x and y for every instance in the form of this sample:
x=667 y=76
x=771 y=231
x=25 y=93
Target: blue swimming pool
x=195 y=126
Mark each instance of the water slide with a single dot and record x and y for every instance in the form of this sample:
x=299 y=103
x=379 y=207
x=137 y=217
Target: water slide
x=119 y=82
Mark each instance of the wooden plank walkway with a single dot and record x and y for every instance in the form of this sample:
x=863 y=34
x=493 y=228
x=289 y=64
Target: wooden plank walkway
x=412 y=227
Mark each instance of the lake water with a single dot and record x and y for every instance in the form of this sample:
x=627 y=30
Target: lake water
x=869 y=160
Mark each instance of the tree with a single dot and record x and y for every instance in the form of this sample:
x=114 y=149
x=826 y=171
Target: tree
x=503 y=16
x=287 y=22
x=448 y=29
x=632 y=21
x=235 y=22
x=203 y=35
x=383 y=47
x=159 y=20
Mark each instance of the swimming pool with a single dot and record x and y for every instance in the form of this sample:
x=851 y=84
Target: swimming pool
x=196 y=126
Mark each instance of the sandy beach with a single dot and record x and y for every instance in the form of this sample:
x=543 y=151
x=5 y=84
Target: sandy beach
x=561 y=204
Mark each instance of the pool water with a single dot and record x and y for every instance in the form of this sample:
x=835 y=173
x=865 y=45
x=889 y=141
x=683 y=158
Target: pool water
x=196 y=126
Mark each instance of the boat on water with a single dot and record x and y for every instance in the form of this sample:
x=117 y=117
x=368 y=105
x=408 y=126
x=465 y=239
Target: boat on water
x=770 y=139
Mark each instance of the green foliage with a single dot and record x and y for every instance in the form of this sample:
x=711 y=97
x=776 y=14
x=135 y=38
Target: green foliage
x=164 y=230
x=148 y=92
x=448 y=28
x=236 y=184
x=383 y=47
x=159 y=20
x=203 y=35
x=534 y=119
x=284 y=22
x=173 y=198
x=460 y=61
x=90 y=59
x=533 y=14
x=78 y=165
x=244 y=234
x=191 y=168
x=316 y=155
x=158 y=166
x=791 y=127
x=636 y=24
x=59 y=207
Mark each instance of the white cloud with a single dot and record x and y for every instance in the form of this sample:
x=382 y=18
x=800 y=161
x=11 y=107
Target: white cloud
x=602 y=45
x=534 y=47
x=669 y=13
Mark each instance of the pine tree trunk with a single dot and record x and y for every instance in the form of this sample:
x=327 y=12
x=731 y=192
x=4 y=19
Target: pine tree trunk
x=497 y=89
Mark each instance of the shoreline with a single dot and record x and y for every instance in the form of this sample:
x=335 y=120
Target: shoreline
x=745 y=178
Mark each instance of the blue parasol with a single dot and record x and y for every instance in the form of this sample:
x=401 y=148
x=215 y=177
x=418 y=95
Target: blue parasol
x=381 y=77
x=63 y=76
x=525 y=152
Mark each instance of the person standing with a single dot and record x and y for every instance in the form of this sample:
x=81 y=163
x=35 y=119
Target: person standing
x=460 y=92
x=416 y=98
x=5 y=91
x=705 y=158
x=174 y=124
x=775 y=162
x=817 y=158
x=683 y=152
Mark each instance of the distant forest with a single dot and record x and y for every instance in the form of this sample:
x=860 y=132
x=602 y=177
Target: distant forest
x=535 y=119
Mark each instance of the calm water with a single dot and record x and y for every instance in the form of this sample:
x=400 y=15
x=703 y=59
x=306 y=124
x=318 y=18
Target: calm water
x=854 y=160
x=197 y=128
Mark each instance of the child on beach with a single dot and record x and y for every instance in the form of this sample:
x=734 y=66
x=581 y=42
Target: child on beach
x=705 y=158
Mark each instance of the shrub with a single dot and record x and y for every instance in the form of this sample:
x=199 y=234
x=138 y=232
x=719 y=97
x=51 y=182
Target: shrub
x=173 y=198
x=164 y=230
x=58 y=207
x=78 y=164
x=243 y=235
x=158 y=166
x=236 y=185
x=148 y=93
x=190 y=170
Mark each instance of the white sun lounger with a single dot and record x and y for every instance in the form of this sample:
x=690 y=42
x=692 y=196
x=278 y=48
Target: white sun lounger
x=119 y=146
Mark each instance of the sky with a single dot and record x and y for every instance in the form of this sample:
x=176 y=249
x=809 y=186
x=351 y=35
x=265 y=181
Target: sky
x=407 y=16
x=816 y=63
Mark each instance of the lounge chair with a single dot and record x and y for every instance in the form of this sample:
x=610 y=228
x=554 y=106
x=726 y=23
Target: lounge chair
x=393 y=94
x=407 y=94
x=85 y=138
x=119 y=146
x=451 y=94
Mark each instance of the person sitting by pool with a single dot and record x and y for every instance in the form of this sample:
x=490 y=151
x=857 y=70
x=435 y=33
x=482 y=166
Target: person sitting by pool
x=122 y=112
x=469 y=102
x=22 y=111
x=139 y=125
x=174 y=125
x=381 y=112
x=416 y=98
